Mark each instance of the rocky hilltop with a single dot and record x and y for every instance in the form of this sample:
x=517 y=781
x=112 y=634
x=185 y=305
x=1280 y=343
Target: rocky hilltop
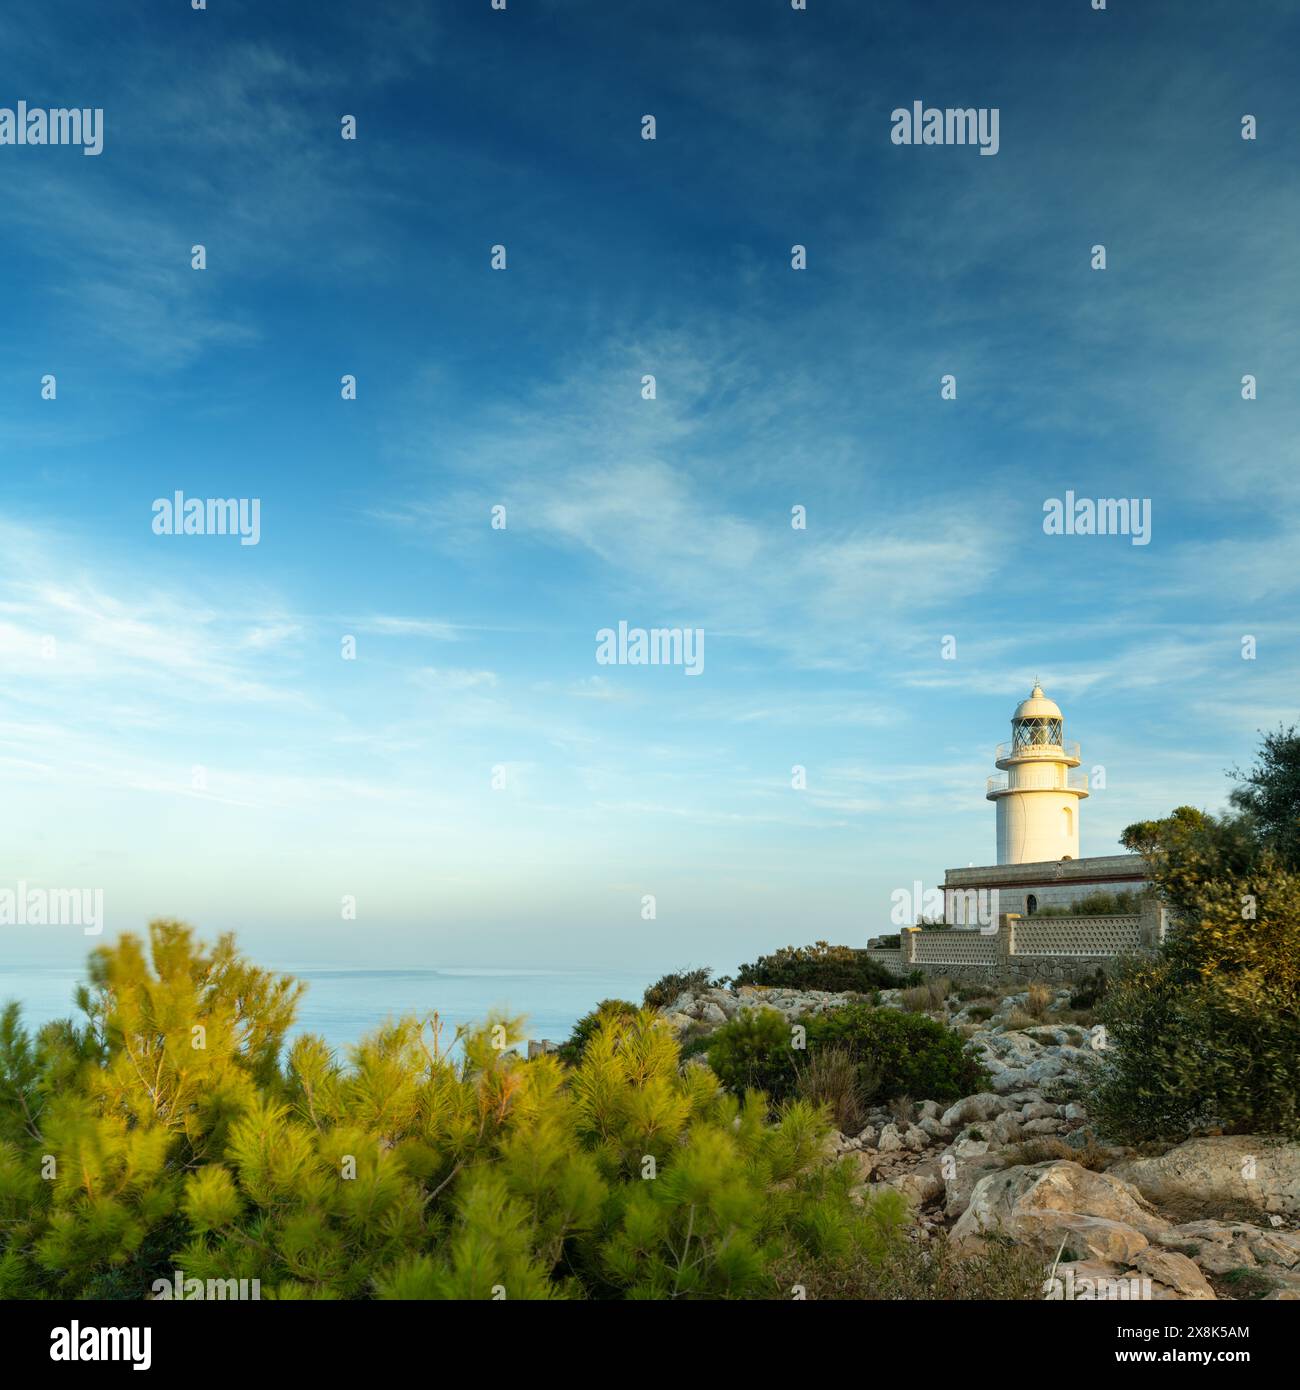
x=1214 y=1217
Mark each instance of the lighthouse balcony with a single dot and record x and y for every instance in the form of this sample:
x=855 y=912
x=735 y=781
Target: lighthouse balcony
x=999 y=784
x=1019 y=751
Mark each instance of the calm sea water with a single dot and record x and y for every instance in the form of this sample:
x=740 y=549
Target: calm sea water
x=342 y=1005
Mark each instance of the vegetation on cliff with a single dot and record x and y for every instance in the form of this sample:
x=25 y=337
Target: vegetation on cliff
x=171 y=1130
x=1207 y=1034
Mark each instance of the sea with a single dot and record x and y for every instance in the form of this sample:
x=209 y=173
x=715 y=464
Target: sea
x=343 y=1005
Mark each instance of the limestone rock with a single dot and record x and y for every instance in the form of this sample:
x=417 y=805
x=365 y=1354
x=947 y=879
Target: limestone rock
x=963 y=1176
x=890 y=1139
x=973 y=1108
x=1175 y=1271
x=921 y=1186
x=1006 y=1129
x=1213 y=1170
x=915 y=1138
x=1062 y=1203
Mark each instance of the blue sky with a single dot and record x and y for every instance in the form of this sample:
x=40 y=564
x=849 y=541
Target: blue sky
x=476 y=648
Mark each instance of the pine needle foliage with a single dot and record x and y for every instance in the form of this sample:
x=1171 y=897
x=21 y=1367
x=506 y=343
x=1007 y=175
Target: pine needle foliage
x=174 y=1130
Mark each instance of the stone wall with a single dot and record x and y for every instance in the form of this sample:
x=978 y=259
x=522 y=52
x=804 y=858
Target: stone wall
x=1047 y=948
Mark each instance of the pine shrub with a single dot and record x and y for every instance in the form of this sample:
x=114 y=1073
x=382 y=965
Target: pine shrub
x=667 y=988
x=185 y=1138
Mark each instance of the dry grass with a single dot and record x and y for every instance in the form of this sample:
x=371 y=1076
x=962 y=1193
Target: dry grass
x=1084 y=1018
x=1242 y=1284
x=1183 y=1210
x=1037 y=999
x=831 y=1078
x=933 y=1272
x=903 y=1109
x=926 y=998
x=1048 y=1148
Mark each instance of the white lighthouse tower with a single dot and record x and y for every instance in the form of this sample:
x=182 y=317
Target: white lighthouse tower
x=1037 y=794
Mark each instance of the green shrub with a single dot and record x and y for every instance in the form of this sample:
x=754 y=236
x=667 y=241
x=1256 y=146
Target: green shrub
x=1206 y=1035
x=1090 y=990
x=836 y=969
x=909 y=1054
x=667 y=987
x=414 y=1170
x=1182 y=1057
x=755 y=1052
x=571 y=1051
x=895 y=1054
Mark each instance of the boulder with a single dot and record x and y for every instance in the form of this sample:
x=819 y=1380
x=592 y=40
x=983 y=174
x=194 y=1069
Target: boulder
x=1175 y=1271
x=1221 y=1246
x=890 y=1139
x=1061 y=1204
x=963 y=1176
x=1005 y=1129
x=1222 y=1169
x=934 y=1128
x=973 y=1108
x=915 y=1138
x=921 y=1186
x=1052 y=1233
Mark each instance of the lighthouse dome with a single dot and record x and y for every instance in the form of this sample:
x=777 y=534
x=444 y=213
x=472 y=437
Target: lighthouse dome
x=1037 y=706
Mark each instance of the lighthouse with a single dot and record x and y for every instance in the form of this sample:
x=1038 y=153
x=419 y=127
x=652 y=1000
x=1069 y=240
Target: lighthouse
x=1037 y=794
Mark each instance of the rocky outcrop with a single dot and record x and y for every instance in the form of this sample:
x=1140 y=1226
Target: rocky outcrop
x=693 y=1013
x=1260 y=1172
x=1058 y=1205
x=1123 y=1232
